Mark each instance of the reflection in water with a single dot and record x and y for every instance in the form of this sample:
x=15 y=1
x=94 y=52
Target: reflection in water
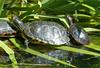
x=59 y=54
x=28 y=58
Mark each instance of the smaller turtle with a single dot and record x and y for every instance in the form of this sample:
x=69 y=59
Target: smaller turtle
x=77 y=33
x=43 y=31
x=6 y=30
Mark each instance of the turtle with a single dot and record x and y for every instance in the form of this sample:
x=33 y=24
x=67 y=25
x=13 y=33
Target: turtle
x=6 y=30
x=45 y=32
x=77 y=33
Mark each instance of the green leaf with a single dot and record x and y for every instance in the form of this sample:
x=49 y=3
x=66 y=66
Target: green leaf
x=47 y=16
x=82 y=15
x=88 y=6
x=1 y=5
x=93 y=46
x=64 y=21
x=10 y=52
x=95 y=43
x=91 y=29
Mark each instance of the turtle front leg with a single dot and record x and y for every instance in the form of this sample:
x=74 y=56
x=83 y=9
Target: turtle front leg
x=26 y=42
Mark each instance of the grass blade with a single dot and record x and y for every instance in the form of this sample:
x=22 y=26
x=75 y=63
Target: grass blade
x=10 y=52
x=88 y=6
x=78 y=50
x=1 y=5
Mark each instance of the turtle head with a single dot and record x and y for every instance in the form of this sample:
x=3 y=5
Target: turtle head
x=18 y=23
x=17 y=20
x=71 y=20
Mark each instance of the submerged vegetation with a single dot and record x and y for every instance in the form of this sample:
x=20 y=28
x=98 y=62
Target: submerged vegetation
x=13 y=50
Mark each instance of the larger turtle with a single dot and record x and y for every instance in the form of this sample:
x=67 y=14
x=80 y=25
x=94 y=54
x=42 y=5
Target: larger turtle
x=44 y=32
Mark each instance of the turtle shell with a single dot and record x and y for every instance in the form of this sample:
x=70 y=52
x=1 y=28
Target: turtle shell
x=6 y=30
x=48 y=32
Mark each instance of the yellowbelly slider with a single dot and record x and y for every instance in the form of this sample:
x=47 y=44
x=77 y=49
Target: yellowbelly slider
x=44 y=32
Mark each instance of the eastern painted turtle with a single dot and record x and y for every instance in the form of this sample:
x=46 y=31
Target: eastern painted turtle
x=43 y=31
x=77 y=33
x=6 y=30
